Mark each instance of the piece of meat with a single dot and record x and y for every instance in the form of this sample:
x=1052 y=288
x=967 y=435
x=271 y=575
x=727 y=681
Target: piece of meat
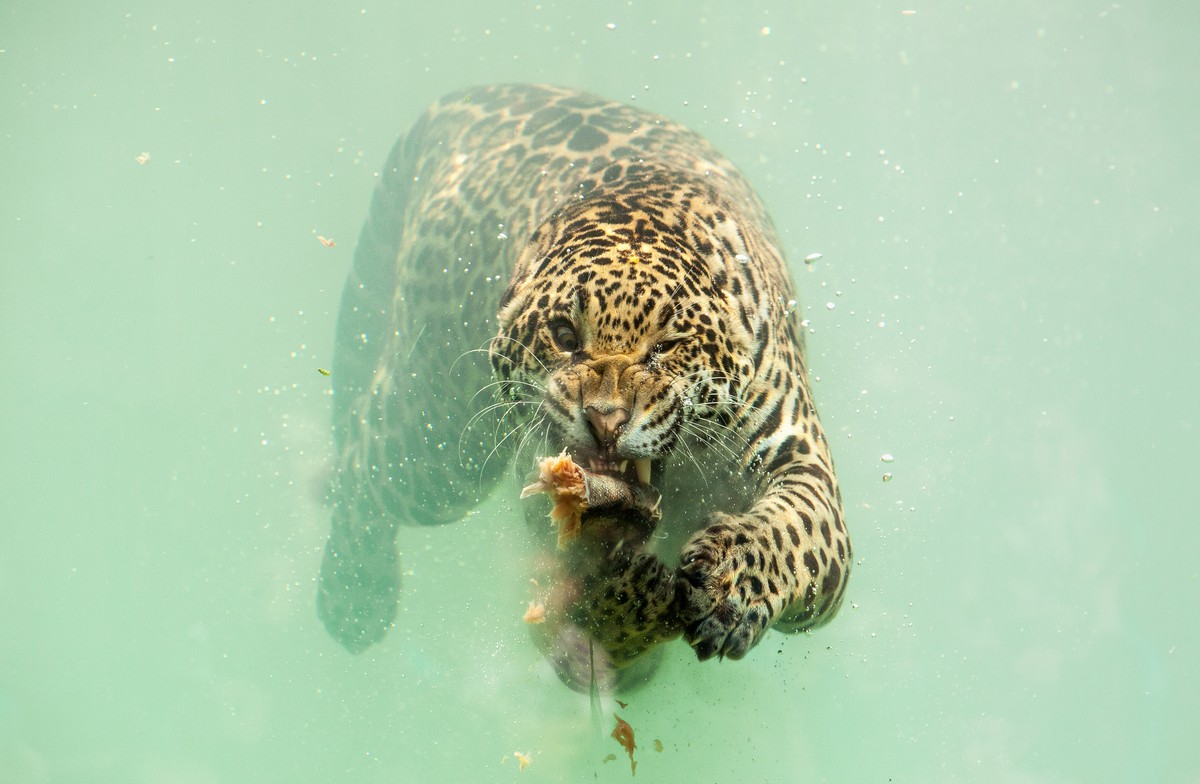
x=623 y=733
x=575 y=490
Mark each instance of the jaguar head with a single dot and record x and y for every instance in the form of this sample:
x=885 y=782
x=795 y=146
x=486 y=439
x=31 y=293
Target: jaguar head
x=626 y=340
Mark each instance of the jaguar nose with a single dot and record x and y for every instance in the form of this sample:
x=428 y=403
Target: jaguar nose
x=606 y=425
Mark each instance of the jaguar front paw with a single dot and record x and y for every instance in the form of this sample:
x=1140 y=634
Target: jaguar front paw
x=732 y=600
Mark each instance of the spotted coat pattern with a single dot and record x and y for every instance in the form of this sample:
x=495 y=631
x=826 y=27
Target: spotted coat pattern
x=627 y=286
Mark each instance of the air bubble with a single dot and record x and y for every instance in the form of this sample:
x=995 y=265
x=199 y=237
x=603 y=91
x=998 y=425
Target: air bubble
x=810 y=258
x=886 y=457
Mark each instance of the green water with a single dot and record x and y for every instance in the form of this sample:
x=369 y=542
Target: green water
x=1004 y=196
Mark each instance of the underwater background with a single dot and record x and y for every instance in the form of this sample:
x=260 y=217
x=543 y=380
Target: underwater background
x=1004 y=199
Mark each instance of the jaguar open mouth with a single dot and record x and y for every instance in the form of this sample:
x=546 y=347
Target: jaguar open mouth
x=634 y=470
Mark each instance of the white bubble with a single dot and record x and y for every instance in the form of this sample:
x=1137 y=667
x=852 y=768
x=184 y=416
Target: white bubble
x=810 y=258
x=887 y=458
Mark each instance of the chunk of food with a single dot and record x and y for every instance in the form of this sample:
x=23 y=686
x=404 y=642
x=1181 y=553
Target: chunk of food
x=564 y=481
x=574 y=490
x=536 y=613
x=623 y=734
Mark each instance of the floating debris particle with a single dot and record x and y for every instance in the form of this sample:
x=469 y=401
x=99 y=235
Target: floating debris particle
x=657 y=744
x=887 y=477
x=623 y=733
x=623 y=705
x=323 y=371
x=328 y=243
x=610 y=757
x=536 y=613
x=523 y=760
x=142 y=158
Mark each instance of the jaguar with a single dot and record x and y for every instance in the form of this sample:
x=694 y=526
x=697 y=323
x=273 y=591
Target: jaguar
x=545 y=268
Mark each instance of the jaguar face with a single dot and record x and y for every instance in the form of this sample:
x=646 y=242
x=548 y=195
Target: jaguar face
x=627 y=353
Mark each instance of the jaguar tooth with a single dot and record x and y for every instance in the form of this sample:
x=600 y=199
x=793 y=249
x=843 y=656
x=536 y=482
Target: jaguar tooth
x=642 y=464
x=624 y=465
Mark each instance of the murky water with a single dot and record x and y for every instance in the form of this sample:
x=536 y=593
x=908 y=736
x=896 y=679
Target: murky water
x=1003 y=198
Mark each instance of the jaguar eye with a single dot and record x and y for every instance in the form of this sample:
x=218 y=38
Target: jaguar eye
x=564 y=336
x=665 y=346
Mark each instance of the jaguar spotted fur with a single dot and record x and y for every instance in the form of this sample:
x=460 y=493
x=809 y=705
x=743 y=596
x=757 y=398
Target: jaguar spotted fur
x=629 y=290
